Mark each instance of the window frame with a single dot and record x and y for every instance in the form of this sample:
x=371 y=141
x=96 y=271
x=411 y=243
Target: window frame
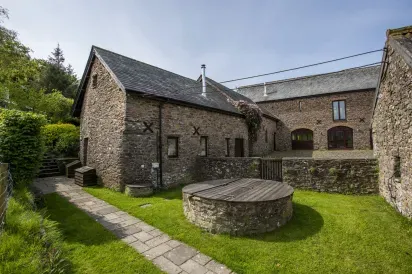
x=206 y=146
x=227 y=153
x=333 y=111
x=94 y=80
x=177 y=146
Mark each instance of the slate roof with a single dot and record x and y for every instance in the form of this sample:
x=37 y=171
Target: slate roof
x=236 y=96
x=151 y=81
x=345 y=80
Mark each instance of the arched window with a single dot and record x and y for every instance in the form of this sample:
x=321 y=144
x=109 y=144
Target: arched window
x=340 y=138
x=302 y=138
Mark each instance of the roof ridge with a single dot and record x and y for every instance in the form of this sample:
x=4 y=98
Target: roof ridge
x=93 y=46
x=307 y=76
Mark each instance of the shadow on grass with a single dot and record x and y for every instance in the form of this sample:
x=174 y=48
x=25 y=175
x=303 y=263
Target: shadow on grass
x=75 y=225
x=305 y=222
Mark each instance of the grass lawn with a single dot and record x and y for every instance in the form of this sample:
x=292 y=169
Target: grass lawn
x=88 y=247
x=328 y=233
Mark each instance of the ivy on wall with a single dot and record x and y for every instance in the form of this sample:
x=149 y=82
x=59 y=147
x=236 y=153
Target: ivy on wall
x=253 y=116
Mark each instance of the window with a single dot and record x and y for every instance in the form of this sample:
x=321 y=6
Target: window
x=266 y=136
x=339 y=110
x=94 y=80
x=340 y=138
x=172 y=147
x=274 y=141
x=397 y=167
x=227 y=154
x=300 y=105
x=203 y=146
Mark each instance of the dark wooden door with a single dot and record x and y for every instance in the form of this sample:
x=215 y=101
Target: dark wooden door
x=340 y=138
x=85 y=148
x=302 y=139
x=239 y=151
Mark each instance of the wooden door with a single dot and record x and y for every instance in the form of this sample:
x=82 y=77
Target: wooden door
x=239 y=151
x=85 y=148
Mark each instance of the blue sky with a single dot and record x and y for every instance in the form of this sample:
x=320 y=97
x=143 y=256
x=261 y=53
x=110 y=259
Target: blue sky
x=233 y=38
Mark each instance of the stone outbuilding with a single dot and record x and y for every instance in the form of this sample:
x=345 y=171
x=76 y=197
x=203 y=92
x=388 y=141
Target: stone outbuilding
x=392 y=121
x=324 y=111
x=144 y=125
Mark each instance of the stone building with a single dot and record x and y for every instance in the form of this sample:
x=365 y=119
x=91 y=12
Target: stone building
x=392 y=121
x=144 y=125
x=325 y=111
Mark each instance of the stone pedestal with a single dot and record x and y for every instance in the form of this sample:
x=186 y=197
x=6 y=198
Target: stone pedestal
x=138 y=190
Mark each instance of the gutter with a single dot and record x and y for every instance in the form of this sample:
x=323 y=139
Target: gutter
x=160 y=145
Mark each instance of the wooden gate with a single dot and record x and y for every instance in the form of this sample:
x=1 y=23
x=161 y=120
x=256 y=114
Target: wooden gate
x=271 y=169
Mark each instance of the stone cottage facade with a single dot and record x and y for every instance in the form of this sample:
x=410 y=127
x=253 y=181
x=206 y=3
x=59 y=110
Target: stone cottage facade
x=325 y=111
x=144 y=125
x=392 y=122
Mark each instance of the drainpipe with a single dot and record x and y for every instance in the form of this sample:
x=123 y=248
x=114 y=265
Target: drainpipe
x=203 y=67
x=160 y=146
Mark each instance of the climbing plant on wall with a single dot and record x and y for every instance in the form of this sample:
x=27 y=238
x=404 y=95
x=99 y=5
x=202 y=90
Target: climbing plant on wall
x=253 y=116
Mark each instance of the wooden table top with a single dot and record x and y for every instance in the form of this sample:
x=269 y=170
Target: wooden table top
x=240 y=190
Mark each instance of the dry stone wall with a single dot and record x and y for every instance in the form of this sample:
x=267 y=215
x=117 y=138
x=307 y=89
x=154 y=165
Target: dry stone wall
x=227 y=168
x=347 y=176
x=392 y=132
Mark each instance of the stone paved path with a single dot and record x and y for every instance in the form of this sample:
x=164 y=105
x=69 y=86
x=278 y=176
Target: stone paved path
x=169 y=255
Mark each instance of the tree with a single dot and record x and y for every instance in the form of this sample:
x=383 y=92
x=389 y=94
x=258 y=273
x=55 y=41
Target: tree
x=57 y=76
x=18 y=71
x=21 y=78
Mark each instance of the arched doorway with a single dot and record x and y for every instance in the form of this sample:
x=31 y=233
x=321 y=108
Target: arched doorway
x=340 y=138
x=302 y=138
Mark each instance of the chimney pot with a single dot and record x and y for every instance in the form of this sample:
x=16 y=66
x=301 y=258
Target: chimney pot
x=203 y=67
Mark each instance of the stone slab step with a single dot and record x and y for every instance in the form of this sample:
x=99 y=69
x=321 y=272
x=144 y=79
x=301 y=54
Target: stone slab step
x=49 y=174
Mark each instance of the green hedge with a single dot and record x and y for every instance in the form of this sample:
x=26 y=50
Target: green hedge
x=21 y=142
x=62 y=139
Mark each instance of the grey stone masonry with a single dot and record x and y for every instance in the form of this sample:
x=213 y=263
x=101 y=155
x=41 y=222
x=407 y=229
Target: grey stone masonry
x=171 y=256
x=347 y=176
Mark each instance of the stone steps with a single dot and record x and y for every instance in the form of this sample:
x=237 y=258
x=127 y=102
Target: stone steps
x=49 y=167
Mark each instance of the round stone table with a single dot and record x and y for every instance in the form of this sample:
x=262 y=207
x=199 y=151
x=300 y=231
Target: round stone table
x=238 y=206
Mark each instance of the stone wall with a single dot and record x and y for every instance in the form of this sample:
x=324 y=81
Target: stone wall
x=348 y=176
x=392 y=132
x=264 y=144
x=102 y=122
x=141 y=147
x=237 y=218
x=316 y=115
x=227 y=168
